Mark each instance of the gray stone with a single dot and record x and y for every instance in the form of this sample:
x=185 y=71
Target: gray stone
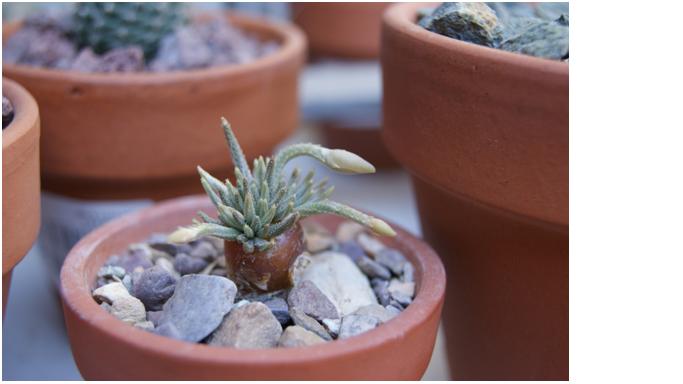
x=541 y=38
x=377 y=311
x=131 y=261
x=204 y=250
x=248 y=327
x=169 y=330
x=219 y=272
x=401 y=292
x=332 y=326
x=198 y=305
x=353 y=325
x=318 y=242
x=471 y=22
x=296 y=270
x=154 y=317
x=186 y=264
x=154 y=286
x=395 y=311
x=7 y=111
x=121 y=304
x=340 y=280
x=110 y=274
x=312 y=301
x=295 y=336
x=241 y=303
x=373 y=269
x=370 y=244
x=349 y=230
x=381 y=290
x=160 y=244
x=408 y=275
x=145 y=325
x=168 y=266
x=392 y=259
x=351 y=249
x=278 y=306
x=308 y=323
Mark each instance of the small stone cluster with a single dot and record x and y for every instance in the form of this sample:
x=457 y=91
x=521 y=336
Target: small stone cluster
x=344 y=285
x=538 y=29
x=44 y=40
x=7 y=112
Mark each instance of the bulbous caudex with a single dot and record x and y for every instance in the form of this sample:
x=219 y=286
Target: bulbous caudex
x=258 y=217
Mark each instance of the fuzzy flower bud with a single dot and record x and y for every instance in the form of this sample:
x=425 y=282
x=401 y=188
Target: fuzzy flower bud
x=380 y=227
x=183 y=235
x=347 y=162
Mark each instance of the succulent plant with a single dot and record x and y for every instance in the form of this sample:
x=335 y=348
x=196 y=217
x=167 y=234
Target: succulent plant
x=106 y=26
x=262 y=204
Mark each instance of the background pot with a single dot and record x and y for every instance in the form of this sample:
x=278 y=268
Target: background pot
x=485 y=135
x=141 y=135
x=20 y=181
x=399 y=349
x=363 y=141
x=349 y=30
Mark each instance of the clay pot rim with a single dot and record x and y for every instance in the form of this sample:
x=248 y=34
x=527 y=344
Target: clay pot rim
x=402 y=18
x=19 y=131
x=76 y=295
x=291 y=38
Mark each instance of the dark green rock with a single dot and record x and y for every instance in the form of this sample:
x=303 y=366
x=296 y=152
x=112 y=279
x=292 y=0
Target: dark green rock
x=471 y=22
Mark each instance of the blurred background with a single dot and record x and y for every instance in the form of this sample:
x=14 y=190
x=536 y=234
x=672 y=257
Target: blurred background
x=340 y=101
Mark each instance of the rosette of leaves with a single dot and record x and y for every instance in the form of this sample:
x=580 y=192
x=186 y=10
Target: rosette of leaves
x=106 y=26
x=263 y=204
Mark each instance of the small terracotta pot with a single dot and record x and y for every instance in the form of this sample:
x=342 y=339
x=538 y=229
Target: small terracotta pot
x=20 y=181
x=348 y=30
x=141 y=135
x=398 y=350
x=485 y=135
x=363 y=141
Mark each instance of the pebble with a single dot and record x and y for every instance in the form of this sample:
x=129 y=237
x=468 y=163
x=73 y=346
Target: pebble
x=392 y=259
x=309 y=323
x=349 y=230
x=401 y=292
x=198 y=305
x=248 y=327
x=470 y=22
x=395 y=311
x=312 y=301
x=145 y=325
x=219 y=272
x=204 y=250
x=352 y=250
x=131 y=261
x=380 y=287
x=373 y=269
x=377 y=311
x=340 y=280
x=154 y=317
x=353 y=325
x=7 y=112
x=296 y=336
x=154 y=286
x=332 y=326
x=278 y=306
x=169 y=248
x=296 y=270
x=318 y=242
x=370 y=244
x=121 y=304
x=186 y=264
x=241 y=303
x=168 y=330
x=408 y=275
x=168 y=266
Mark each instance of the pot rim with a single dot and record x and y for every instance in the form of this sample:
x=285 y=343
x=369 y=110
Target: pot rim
x=402 y=18
x=76 y=295
x=291 y=38
x=19 y=133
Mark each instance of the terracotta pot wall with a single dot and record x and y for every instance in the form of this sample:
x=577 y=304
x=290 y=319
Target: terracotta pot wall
x=20 y=180
x=400 y=349
x=142 y=135
x=485 y=135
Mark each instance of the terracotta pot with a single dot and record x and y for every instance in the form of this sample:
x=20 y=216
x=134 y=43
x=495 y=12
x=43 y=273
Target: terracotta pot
x=349 y=30
x=364 y=141
x=120 y=136
x=20 y=181
x=485 y=135
x=398 y=350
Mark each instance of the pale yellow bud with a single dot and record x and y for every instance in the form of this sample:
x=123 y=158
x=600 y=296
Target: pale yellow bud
x=380 y=227
x=183 y=235
x=347 y=162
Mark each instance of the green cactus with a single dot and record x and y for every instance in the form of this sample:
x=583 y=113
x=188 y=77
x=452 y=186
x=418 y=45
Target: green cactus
x=262 y=204
x=106 y=26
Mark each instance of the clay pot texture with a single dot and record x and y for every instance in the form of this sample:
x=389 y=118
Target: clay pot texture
x=348 y=30
x=141 y=135
x=484 y=134
x=399 y=349
x=265 y=270
x=20 y=181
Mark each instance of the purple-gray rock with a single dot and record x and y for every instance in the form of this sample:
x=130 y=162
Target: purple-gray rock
x=381 y=289
x=408 y=275
x=154 y=317
x=131 y=261
x=353 y=325
x=303 y=320
x=395 y=311
x=352 y=250
x=392 y=259
x=7 y=112
x=401 y=292
x=198 y=305
x=186 y=264
x=307 y=297
x=40 y=47
x=168 y=330
x=109 y=274
x=295 y=336
x=204 y=250
x=377 y=311
x=154 y=286
x=248 y=327
x=159 y=243
x=278 y=306
x=373 y=269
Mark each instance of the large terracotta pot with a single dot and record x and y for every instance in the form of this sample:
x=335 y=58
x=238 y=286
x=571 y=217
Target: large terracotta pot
x=106 y=348
x=485 y=135
x=20 y=181
x=119 y=136
x=348 y=30
x=363 y=141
